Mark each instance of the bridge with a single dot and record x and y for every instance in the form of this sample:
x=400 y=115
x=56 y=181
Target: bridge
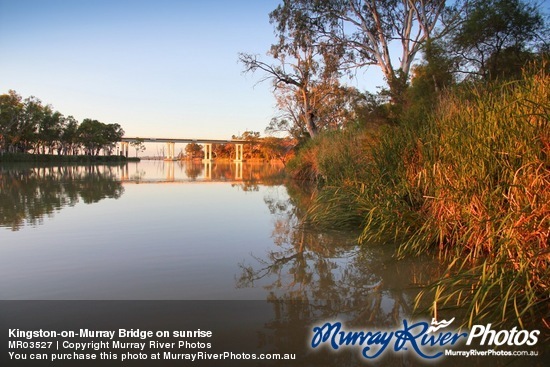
x=171 y=143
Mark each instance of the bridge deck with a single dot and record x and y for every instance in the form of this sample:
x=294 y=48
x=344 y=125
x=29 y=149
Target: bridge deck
x=184 y=140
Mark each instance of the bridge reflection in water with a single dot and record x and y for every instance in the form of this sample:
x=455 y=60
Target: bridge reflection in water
x=205 y=171
x=30 y=193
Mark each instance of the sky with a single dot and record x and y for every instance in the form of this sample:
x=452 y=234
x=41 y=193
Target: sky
x=159 y=68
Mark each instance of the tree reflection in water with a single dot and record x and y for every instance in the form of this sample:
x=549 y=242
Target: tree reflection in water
x=193 y=169
x=314 y=276
x=29 y=194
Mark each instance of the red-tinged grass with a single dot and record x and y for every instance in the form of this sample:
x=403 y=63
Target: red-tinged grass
x=470 y=182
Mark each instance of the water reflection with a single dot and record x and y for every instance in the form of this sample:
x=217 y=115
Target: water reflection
x=314 y=275
x=249 y=174
x=188 y=241
x=29 y=194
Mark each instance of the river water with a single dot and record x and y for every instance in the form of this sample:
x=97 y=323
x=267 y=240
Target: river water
x=182 y=231
x=206 y=238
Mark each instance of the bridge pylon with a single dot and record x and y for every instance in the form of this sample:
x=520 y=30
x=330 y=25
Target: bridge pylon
x=207 y=152
x=171 y=150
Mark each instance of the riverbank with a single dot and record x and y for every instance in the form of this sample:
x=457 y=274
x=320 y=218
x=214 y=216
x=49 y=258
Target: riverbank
x=469 y=183
x=54 y=158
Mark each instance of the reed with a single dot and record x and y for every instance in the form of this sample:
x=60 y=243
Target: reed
x=485 y=180
x=470 y=182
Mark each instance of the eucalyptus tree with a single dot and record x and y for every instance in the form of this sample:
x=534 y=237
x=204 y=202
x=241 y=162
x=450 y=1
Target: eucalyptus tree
x=298 y=88
x=304 y=71
x=138 y=145
x=89 y=136
x=49 y=130
x=26 y=124
x=94 y=135
x=252 y=148
x=334 y=107
x=367 y=30
x=113 y=133
x=277 y=148
x=69 y=137
x=223 y=150
x=11 y=113
x=194 y=150
x=26 y=136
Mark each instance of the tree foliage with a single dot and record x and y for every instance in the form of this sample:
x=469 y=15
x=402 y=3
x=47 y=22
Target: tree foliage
x=364 y=30
x=194 y=150
x=95 y=136
x=305 y=73
x=300 y=86
x=277 y=148
x=496 y=37
x=226 y=150
x=319 y=41
x=27 y=125
x=429 y=78
x=251 y=149
x=138 y=145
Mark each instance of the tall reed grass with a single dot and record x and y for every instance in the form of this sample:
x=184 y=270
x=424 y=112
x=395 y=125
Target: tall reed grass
x=471 y=182
x=483 y=170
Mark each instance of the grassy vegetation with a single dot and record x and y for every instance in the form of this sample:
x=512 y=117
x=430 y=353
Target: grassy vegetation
x=471 y=182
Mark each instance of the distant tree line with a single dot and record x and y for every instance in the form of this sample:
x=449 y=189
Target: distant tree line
x=29 y=126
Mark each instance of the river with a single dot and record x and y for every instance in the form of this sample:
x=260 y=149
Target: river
x=193 y=232
x=180 y=230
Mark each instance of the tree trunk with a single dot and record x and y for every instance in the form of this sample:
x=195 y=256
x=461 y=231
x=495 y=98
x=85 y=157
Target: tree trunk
x=310 y=124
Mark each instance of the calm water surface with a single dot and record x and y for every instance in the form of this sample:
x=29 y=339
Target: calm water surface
x=183 y=231
x=189 y=231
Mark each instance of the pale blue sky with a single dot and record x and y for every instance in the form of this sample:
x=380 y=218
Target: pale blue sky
x=158 y=68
